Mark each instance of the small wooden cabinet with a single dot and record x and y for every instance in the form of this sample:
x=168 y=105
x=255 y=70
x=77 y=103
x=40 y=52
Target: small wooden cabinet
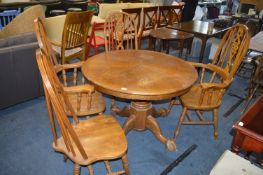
x=249 y=130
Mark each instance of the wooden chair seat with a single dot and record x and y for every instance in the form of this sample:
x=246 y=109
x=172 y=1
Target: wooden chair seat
x=101 y=137
x=191 y=99
x=96 y=106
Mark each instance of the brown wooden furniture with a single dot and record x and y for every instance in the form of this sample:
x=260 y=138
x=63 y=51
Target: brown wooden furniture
x=169 y=14
x=149 y=21
x=166 y=35
x=120 y=32
x=99 y=138
x=200 y=30
x=215 y=78
x=141 y=76
x=249 y=131
x=84 y=99
x=135 y=13
x=75 y=33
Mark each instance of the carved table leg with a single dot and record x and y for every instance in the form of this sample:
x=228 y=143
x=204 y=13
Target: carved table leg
x=140 y=119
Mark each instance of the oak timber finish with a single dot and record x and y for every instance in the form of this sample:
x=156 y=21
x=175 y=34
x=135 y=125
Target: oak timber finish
x=139 y=74
x=99 y=138
x=83 y=98
x=215 y=78
x=120 y=32
x=136 y=14
x=200 y=30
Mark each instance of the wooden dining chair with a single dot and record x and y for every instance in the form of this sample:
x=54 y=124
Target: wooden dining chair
x=120 y=32
x=84 y=99
x=136 y=15
x=206 y=95
x=169 y=14
x=84 y=142
x=149 y=21
x=74 y=39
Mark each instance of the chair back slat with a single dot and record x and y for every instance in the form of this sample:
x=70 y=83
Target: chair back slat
x=75 y=33
x=56 y=95
x=120 y=32
x=150 y=18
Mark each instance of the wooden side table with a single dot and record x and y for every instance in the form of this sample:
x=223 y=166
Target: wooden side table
x=166 y=35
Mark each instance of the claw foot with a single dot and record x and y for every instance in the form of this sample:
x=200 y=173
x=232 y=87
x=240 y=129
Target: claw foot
x=170 y=145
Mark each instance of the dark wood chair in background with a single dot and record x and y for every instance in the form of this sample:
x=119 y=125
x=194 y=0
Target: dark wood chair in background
x=149 y=21
x=120 y=32
x=135 y=13
x=82 y=96
x=84 y=142
x=74 y=39
x=215 y=78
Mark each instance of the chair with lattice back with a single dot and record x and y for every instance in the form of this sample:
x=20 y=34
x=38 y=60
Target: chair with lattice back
x=79 y=140
x=84 y=99
x=169 y=15
x=215 y=78
x=149 y=21
x=120 y=32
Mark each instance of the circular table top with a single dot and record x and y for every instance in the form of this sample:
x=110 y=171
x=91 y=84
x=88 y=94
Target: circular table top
x=139 y=74
x=170 y=34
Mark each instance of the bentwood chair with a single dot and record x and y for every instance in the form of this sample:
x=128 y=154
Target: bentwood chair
x=82 y=96
x=149 y=21
x=75 y=33
x=215 y=78
x=84 y=142
x=120 y=32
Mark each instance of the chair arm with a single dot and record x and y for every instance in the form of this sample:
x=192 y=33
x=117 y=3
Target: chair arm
x=206 y=86
x=79 y=89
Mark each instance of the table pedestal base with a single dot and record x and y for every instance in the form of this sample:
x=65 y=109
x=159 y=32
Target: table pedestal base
x=141 y=117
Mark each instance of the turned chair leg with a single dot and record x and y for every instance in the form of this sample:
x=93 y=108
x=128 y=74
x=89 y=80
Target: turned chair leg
x=125 y=164
x=77 y=169
x=181 y=119
x=90 y=169
x=215 y=118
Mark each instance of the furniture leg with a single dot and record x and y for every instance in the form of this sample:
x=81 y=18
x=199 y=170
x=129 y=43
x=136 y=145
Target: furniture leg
x=125 y=164
x=215 y=118
x=181 y=119
x=201 y=57
x=76 y=169
x=129 y=124
x=167 y=47
x=153 y=126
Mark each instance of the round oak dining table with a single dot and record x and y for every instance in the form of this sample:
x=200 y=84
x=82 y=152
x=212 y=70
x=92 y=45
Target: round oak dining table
x=141 y=76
